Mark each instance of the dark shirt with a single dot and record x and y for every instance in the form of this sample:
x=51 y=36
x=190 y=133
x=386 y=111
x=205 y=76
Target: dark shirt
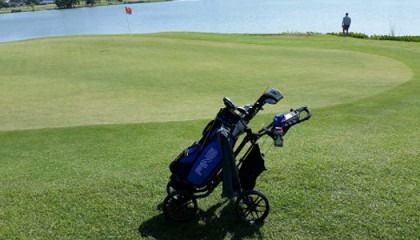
x=346 y=20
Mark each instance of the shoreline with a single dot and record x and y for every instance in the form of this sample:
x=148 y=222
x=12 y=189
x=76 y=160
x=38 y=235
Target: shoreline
x=361 y=36
x=53 y=6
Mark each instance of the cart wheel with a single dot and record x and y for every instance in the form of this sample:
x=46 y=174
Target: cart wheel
x=179 y=207
x=252 y=207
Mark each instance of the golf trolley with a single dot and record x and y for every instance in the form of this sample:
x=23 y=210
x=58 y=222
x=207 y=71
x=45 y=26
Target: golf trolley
x=199 y=169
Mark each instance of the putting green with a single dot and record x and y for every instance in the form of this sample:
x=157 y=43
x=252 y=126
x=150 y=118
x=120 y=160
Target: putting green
x=74 y=81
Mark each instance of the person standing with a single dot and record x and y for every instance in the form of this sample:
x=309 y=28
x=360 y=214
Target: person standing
x=346 y=24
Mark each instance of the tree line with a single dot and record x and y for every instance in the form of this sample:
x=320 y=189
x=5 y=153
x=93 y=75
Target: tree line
x=58 y=3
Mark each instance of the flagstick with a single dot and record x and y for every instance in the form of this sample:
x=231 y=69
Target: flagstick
x=128 y=25
x=127 y=12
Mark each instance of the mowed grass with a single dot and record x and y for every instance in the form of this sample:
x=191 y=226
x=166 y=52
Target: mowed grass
x=351 y=172
x=62 y=82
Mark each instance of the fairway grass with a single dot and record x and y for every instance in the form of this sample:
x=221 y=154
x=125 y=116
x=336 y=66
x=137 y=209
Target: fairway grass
x=88 y=126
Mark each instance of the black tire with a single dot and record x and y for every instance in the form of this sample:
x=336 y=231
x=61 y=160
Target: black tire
x=180 y=207
x=252 y=207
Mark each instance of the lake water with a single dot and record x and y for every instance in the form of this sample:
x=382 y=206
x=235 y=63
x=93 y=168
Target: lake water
x=401 y=17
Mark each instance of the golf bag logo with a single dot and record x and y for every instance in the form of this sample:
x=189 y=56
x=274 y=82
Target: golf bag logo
x=205 y=165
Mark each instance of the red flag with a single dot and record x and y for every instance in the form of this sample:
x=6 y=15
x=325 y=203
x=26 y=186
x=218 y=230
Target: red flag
x=128 y=10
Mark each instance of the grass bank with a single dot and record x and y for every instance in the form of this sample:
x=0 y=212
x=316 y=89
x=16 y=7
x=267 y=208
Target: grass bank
x=90 y=124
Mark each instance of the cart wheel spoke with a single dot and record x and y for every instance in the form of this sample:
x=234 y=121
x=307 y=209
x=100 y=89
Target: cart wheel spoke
x=252 y=207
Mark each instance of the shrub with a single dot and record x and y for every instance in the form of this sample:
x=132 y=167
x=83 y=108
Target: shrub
x=90 y=2
x=379 y=37
x=351 y=34
x=66 y=3
x=397 y=38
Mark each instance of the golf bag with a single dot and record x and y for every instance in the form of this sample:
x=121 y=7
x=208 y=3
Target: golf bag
x=200 y=161
x=198 y=170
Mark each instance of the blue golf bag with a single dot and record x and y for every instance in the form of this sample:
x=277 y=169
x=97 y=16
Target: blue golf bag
x=198 y=170
x=200 y=161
